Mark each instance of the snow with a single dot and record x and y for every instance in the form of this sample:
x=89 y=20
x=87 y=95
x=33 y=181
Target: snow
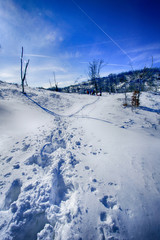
x=78 y=166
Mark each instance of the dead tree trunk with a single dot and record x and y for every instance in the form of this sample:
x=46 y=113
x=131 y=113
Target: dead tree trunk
x=23 y=76
x=94 y=72
x=141 y=79
x=56 y=84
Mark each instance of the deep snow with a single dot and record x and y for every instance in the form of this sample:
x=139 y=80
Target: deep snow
x=78 y=167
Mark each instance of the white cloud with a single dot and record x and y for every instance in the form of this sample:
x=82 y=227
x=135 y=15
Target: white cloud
x=38 y=55
x=48 y=68
x=5 y=75
x=117 y=65
x=156 y=58
x=146 y=48
x=142 y=57
x=69 y=55
x=10 y=73
x=28 y=29
x=21 y=28
x=84 y=62
x=51 y=37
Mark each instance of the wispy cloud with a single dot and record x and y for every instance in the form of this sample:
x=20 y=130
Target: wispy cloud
x=57 y=57
x=110 y=64
x=53 y=43
x=19 y=27
x=70 y=55
x=150 y=47
x=142 y=57
x=156 y=58
x=37 y=55
x=10 y=73
x=47 y=68
x=39 y=38
x=117 y=65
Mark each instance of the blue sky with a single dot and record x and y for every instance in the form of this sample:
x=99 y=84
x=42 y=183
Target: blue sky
x=59 y=37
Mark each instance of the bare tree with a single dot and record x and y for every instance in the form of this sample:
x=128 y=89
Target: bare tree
x=94 y=71
x=125 y=90
x=141 y=77
x=23 y=76
x=56 y=83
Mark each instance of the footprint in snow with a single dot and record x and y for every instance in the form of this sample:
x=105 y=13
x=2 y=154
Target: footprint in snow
x=94 y=180
x=87 y=168
x=94 y=153
x=108 y=202
x=14 y=150
x=7 y=175
x=25 y=147
x=109 y=231
x=93 y=189
x=112 y=184
x=73 y=161
x=9 y=159
x=29 y=187
x=13 y=193
x=103 y=216
x=2 y=183
x=16 y=166
x=78 y=143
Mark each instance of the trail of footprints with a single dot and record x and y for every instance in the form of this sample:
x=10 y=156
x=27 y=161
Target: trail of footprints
x=31 y=210
x=54 y=193
x=109 y=226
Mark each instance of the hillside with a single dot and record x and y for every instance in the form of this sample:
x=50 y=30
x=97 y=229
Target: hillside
x=78 y=166
x=119 y=83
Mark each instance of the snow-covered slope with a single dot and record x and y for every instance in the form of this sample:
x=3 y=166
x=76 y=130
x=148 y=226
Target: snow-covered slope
x=78 y=166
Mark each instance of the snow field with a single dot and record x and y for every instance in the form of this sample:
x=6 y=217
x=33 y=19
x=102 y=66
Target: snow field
x=78 y=166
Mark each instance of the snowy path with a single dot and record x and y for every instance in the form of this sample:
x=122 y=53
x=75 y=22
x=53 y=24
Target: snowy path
x=87 y=170
x=59 y=115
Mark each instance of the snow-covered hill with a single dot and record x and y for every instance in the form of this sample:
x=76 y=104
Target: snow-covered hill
x=147 y=79
x=78 y=167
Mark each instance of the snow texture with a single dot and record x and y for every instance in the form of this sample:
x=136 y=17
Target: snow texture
x=78 y=167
